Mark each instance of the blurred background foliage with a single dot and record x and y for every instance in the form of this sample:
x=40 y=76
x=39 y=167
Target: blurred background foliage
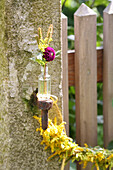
x=69 y=7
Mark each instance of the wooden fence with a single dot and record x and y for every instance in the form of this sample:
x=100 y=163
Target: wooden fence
x=83 y=68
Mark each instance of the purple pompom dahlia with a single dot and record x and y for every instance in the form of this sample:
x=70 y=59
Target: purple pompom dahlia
x=49 y=54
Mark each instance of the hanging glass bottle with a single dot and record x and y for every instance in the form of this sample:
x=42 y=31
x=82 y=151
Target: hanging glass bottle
x=44 y=84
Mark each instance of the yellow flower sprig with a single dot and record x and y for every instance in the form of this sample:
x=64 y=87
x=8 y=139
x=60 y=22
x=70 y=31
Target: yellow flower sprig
x=55 y=139
x=44 y=43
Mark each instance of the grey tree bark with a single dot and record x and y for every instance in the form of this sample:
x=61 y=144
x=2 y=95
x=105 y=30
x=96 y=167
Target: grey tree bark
x=20 y=147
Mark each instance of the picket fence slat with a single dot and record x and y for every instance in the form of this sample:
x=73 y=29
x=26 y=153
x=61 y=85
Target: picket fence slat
x=65 y=72
x=65 y=76
x=108 y=75
x=85 y=77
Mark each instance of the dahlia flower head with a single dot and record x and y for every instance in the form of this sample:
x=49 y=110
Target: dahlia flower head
x=49 y=54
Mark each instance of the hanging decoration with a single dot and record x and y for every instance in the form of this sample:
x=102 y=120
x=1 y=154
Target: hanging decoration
x=45 y=54
x=54 y=135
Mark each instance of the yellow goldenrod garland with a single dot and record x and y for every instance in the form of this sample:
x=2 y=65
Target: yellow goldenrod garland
x=55 y=138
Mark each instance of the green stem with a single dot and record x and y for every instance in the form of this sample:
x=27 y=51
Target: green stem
x=45 y=77
x=45 y=70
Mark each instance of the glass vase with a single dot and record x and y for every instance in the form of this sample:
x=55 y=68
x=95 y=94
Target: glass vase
x=44 y=84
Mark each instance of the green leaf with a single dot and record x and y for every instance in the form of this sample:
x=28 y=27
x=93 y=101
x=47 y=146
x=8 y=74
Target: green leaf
x=58 y=53
x=39 y=59
x=42 y=63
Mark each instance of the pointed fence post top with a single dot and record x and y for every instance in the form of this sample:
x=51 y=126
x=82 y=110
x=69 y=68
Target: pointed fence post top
x=63 y=16
x=109 y=8
x=84 y=10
